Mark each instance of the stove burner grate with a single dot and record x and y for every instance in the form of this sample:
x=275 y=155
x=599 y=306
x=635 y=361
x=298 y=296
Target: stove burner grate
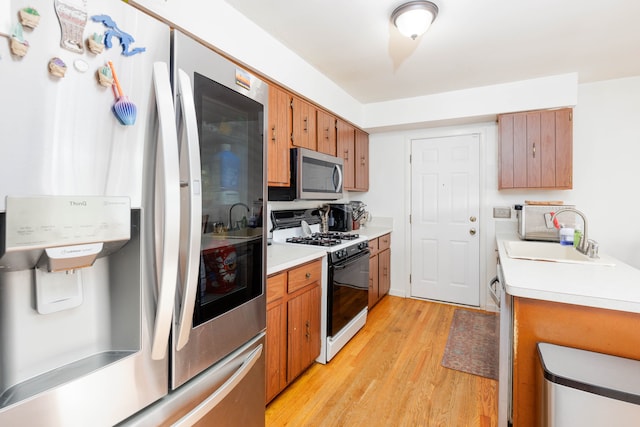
x=323 y=239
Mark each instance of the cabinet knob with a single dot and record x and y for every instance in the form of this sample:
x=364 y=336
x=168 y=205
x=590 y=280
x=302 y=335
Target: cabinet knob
x=472 y=231
x=472 y=218
x=308 y=275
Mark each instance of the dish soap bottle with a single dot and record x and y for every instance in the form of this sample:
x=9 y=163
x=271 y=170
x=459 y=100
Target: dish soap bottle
x=229 y=168
x=566 y=236
x=577 y=236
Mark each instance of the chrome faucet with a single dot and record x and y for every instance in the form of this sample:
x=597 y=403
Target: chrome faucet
x=231 y=209
x=585 y=246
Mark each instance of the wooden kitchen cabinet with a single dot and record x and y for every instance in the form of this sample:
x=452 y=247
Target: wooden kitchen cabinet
x=379 y=268
x=345 y=148
x=303 y=125
x=588 y=328
x=278 y=168
x=275 y=348
x=303 y=326
x=535 y=149
x=362 y=161
x=293 y=324
x=326 y=132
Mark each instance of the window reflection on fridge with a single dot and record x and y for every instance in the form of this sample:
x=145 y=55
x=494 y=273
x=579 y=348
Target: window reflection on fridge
x=228 y=275
x=230 y=130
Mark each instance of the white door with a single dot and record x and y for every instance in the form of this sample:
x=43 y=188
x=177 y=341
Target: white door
x=445 y=249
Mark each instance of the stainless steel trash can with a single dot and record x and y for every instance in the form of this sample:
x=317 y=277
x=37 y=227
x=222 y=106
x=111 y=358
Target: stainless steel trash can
x=583 y=388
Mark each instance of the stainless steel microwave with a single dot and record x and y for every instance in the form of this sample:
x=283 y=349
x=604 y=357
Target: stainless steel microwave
x=314 y=176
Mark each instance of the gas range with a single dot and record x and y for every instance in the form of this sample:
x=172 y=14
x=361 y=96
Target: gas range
x=287 y=228
x=345 y=283
x=328 y=239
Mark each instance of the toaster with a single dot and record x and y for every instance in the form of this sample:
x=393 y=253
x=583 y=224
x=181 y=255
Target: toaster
x=534 y=222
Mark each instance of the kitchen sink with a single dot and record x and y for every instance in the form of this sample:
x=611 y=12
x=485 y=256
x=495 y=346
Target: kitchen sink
x=553 y=252
x=243 y=233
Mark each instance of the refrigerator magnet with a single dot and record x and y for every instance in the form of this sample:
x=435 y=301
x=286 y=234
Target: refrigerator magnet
x=95 y=43
x=57 y=67
x=72 y=15
x=19 y=46
x=29 y=17
x=105 y=76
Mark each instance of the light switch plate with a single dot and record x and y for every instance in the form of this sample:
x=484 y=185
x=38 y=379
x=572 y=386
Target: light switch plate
x=502 y=212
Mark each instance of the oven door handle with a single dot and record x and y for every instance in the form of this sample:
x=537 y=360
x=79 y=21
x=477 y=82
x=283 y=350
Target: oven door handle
x=352 y=260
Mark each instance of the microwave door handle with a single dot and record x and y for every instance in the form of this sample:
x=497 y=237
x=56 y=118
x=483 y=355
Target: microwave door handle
x=191 y=209
x=337 y=170
x=167 y=221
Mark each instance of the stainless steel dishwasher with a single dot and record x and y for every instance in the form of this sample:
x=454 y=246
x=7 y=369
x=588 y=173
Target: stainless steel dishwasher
x=503 y=300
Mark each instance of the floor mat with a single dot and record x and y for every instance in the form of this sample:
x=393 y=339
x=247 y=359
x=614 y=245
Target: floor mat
x=472 y=345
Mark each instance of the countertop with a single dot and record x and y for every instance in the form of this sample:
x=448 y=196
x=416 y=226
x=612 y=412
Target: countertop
x=603 y=286
x=374 y=231
x=282 y=256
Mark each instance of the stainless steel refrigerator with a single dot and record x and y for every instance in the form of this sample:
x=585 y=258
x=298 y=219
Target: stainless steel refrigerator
x=132 y=253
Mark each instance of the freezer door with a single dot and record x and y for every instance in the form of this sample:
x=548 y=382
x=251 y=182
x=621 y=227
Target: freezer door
x=106 y=358
x=229 y=394
x=59 y=134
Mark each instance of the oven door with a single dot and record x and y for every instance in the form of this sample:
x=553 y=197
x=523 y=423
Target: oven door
x=221 y=111
x=347 y=291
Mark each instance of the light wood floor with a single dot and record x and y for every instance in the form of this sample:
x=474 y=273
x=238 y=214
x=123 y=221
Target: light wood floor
x=389 y=374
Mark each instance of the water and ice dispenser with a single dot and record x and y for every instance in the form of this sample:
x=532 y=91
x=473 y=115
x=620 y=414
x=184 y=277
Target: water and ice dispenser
x=70 y=290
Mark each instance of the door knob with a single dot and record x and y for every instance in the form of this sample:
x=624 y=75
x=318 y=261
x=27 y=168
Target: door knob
x=472 y=231
x=472 y=218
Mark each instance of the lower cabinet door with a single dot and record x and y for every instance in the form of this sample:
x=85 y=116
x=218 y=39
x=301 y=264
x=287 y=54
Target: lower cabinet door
x=303 y=323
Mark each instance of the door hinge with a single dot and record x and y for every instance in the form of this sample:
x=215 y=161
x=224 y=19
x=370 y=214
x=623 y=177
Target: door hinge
x=409 y=278
x=571 y=116
x=410 y=218
x=410 y=158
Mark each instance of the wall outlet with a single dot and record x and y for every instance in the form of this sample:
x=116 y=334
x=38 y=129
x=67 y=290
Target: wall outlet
x=502 y=212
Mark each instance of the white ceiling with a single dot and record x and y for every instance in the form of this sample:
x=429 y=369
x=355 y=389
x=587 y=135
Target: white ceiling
x=471 y=43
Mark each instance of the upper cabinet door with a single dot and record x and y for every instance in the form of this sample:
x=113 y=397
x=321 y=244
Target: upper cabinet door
x=304 y=124
x=536 y=149
x=362 y=160
x=278 y=137
x=345 y=143
x=326 y=126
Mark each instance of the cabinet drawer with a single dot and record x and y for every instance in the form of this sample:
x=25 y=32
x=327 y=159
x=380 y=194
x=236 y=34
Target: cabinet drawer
x=373 y=246
x=275 y=287
x=304 y=275
x=384 y=242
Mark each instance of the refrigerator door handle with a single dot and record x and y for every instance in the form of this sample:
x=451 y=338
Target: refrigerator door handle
x=167 y=221
x=190 y=242
x=217 y=396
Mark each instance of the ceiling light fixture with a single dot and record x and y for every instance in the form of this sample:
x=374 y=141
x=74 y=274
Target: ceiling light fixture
x=414 y=18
